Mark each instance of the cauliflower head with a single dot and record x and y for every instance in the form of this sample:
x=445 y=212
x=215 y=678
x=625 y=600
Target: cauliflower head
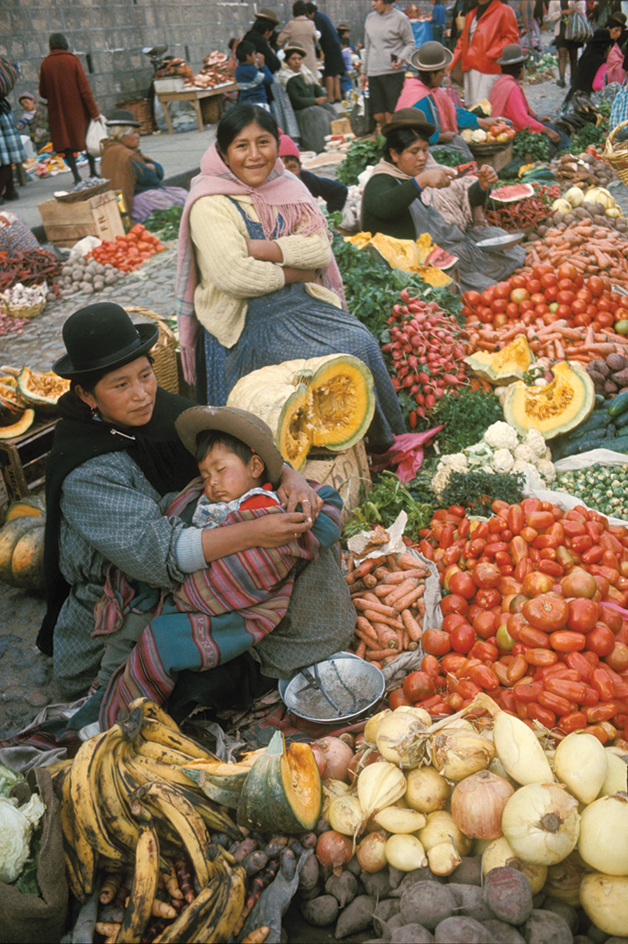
x=503 y=460
x=546 y=469
x=501 y=436
x=524 y=467
x=456 y=461
x=441 y=479
x=524 y=453
x=535 y=442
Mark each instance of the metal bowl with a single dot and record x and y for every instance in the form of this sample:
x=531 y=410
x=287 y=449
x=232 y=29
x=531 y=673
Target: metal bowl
x=355 y=685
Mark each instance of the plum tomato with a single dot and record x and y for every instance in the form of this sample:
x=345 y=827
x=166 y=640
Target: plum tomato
x=583 y=615
x=454 y=603
x=418 y=685
x=547 y=612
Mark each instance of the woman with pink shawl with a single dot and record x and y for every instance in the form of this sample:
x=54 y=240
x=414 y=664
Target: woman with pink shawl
x=424 y=92
x=257 y=283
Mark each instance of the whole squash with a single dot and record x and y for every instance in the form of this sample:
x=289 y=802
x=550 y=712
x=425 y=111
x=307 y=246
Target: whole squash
x=324 y=401
x=22 y=546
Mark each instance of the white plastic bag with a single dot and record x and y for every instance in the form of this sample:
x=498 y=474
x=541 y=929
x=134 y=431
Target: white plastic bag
x=96 y=133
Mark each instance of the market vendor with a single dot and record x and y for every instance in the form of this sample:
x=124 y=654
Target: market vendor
x=410 y=194
x=257 y=283
x=424 y=92
x=115 y=466
x=595 y=55
x=509 y=101
x=138 y=177
x=309 y=101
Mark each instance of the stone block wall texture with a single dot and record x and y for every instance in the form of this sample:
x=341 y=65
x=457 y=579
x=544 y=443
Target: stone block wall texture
x=108 y=35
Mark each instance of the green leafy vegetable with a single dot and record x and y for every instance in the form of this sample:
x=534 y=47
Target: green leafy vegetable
x=387 y=498
x=530 y=145
x=359 y=156
x=466 y=416
x=165 y=223
x=449 y=157
x=27 y=883
x=478 y=490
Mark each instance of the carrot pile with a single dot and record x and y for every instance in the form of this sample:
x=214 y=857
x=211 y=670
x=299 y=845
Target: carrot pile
x=557 y=341
x=591 y=249
x=387 y=593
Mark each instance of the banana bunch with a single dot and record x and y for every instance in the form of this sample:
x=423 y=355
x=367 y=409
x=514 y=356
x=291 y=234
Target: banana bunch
x=123 y=799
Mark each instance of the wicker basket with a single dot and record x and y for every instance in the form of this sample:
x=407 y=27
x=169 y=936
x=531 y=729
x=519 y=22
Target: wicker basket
x=163 y=352
x=86 y=194
x=484 y=148
x=141 y=110
x=24 y=311
x=617 y=156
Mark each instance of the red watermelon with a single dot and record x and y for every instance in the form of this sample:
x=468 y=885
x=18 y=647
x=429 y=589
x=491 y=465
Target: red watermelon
x=511 y=193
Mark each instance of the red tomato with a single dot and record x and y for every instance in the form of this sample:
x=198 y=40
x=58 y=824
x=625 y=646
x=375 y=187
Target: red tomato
x=565 y=298
x=430 y=666
x=418 y=685
x=547 y=612
x=548 y=280
x=499 y=305
x=462 y=638
x=488 y=598
x=520 y=294
x=601 y=640
x=578 y=306
x=566 y=641
x=452 y=620
x=617 y=659
x=537 y=298
x=583 y=615
x=535 y=583
x=485 y=625
x=579 y=583
x=534 y=285
x=567 y=271
x=486 y=576
x=595 y=285
x=454 y=603
x=435 y=642
x=462 y=583
x=563 y=311
x=471 y=298
x=502 y=289
x=397 y=698
x=512 y=310
x=551 y=293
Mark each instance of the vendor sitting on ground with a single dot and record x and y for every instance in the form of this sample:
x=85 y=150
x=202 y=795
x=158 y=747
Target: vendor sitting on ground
x=137 y=176
x=331 y=191
x=409 y=193
x=509 y=101
x=240 y=467
x=423 y=91
x=310 y=103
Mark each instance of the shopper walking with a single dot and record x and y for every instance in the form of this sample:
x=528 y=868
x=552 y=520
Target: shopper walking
x=71 y=104
x=388 y=42
x=488 y=29
x=559 y=13
x=11 y=147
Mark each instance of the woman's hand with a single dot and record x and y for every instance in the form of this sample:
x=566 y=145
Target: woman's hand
x=486 y=176
x=438 y=177
x=552 y=135
x=277 y=530
x=294 y=491
x=321 y=100
x=486 y=123
x=446 y=136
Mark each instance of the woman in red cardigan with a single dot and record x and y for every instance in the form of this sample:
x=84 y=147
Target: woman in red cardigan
x=487 y=30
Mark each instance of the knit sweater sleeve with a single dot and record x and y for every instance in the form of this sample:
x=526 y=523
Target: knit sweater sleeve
x=301 y=94
x=386 y=198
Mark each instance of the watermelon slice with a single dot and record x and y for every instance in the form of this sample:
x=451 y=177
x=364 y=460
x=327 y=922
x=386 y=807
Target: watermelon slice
x=512 y=193
x=441 y=259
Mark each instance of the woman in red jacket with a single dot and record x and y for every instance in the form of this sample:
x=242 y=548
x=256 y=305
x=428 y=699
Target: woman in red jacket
x=487 y=30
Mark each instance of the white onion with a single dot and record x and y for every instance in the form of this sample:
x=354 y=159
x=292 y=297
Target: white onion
x=517 y=746
x=605 y=899
x=442 y=828
x=457 y=753
x=498 y=854
x=541 y=823
x=427 y=790
x=616 y=774
x=371 y=852
x=580 y=762
x=372 y=725
x=338 y=755
x=395 y=820
x=379 y=786
x=405 y=853
x=478 y=802
x=345 y=815
x=443 y=858
x=603 y=841
x=399 y=738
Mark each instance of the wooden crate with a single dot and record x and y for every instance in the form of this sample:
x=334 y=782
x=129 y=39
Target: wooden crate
x=347 y=472
x=66 y=223
x=23 y=459
x=341 y=126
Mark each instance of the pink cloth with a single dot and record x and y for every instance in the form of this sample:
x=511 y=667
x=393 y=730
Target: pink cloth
x=600 y=75
x=615 y=65
x=414 y=91
x=509 y=101
x=281 y=195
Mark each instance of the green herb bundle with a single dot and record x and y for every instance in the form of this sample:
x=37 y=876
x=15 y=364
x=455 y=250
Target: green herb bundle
x=359 y=156
x=165 y=223
x=466 y=416
x=476 y=491
x=388 y=497
x=530 y=145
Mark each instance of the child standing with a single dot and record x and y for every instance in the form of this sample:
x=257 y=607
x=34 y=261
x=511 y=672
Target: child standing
x=252 y=75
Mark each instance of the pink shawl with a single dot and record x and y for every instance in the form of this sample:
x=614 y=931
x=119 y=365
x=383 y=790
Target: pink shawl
x=281 y=195
x=414 y=91
x=501 y=92
x=615 y=65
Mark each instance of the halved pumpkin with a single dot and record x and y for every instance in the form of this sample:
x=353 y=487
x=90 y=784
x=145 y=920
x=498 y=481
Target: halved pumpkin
x=398 y=253
x=219 y=781
x=21 y=560
x=282 y=792
x=41 y=390
x=505 y=366
x=324 y=401
x=32 y=507
x=14 y=420
x=556 y=408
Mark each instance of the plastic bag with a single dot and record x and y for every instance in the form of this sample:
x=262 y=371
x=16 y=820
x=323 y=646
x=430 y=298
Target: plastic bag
x=96 y=133
x=534 y=488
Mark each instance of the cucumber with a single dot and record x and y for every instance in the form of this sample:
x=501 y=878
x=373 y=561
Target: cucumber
x=618 y=404
x=599 y=419
x=621 y=420
x=599 y=400
x=585 y=445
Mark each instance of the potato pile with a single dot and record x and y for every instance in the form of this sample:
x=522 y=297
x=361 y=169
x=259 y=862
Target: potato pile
x=583 y=170
x=586 y=211
x=87 y=276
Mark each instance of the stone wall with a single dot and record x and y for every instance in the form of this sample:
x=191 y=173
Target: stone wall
x=108 y=35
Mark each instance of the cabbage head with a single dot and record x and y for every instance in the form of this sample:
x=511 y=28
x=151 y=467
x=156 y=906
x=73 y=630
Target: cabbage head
x=8 y=778
x=16 y=827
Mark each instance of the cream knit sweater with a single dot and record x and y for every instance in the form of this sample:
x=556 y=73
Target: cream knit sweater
x=229 y=276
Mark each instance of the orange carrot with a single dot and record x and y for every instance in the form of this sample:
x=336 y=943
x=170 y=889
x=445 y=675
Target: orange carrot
x=412 y=627
x=397 y=593
x=376 y=617
x=410 y=598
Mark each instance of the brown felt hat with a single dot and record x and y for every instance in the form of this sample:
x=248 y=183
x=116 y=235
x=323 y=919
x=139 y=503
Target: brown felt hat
x=431 y=57
x=409 y=118
x=289 y=48
x=247 y=427
x=267 y=14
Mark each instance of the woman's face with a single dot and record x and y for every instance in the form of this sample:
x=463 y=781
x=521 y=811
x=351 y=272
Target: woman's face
x=380 y=6
x=295 y=61
x=132 y=138
x=252 y=155
x=615 y=32
x=436 y=78
x=412 y=160
x=125 y=396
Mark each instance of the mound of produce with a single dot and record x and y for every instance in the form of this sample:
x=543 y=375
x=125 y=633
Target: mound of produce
x=87 y=276
x=128 y=252
x=609 y=374
x=603 y=488
x=583 y=170
x=606 y=428
x=22 y=545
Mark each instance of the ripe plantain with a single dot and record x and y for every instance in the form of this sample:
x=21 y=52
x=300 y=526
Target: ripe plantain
x=145 y=880
x=143 y=767
x=223 y=916
x=84 y=779
x=151 y=709
x=161 y=734
x=115 y=803
x=165 y=755
x=80 y=858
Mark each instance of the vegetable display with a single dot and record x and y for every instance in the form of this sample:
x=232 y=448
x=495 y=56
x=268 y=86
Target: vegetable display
x=604 y=488
x=128 y=252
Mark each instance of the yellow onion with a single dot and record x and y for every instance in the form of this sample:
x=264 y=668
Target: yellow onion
x=395 y=820
x=399 y=738
x=405 y=852
x=419 y=713
x=372 y=725
x=331 y=790
x=427 y=790
x=603 y=841
x=580 y=762
x=440 y=827
x=604 y=898
x=443 y=858
x=498 y=854
x=457 y=753
x=541 y=823
x=379 y=786
x=517 y=746
x=345 y=815
x=564 y=879
x=616 y=774
x=478 y=802
x=371 y=852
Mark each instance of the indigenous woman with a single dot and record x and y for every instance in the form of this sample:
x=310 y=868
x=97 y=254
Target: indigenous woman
x=309 y=101
x=257 y=283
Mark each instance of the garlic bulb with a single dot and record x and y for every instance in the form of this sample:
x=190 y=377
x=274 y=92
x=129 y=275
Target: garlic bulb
x=443 y=858
x=541 y=823
x=498 y=854
x=605 y=900
x=427 y=790
x=580 y=762
x=603 y=841
x=457 y=753
x=405 y=852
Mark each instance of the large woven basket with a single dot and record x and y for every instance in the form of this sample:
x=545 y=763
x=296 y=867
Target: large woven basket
x=76 y=196
x=22 y=311
x=616 y=156
x=163 y=352
x=141 y=110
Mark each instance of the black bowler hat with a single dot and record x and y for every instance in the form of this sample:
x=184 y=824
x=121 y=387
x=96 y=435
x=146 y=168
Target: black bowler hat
x=102 y=336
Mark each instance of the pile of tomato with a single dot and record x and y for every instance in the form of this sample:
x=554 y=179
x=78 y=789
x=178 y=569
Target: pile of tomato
x=549 y=294
x=533 y=615
x=501 y=131
x=130 y=251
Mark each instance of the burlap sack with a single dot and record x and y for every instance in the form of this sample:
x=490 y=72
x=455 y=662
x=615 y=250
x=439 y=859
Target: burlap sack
x=27 y=919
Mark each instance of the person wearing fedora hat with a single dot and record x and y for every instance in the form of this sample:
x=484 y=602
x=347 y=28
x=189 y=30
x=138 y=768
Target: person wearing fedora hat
x=508 y=99
x=63 y=84
x=423 y=91
x=309 y=101
x=263 y=36
x=301 y=30
x=594 y=57
x=116 y=462
x=488 y=27
x=140 y=178
x=409 y=194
